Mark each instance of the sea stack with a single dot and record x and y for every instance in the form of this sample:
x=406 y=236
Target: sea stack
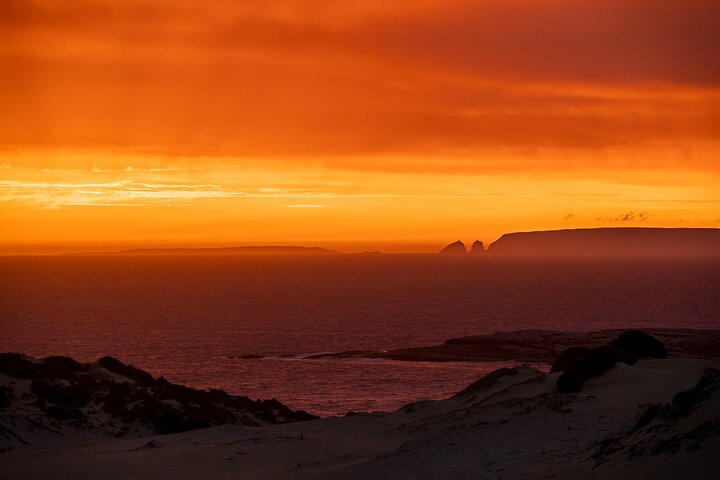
x=455 y=248
x=477 y=247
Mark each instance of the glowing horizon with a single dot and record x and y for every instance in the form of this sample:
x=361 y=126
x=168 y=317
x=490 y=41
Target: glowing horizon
x=353 y=126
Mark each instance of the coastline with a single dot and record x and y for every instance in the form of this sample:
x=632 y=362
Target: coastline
x=538 y=346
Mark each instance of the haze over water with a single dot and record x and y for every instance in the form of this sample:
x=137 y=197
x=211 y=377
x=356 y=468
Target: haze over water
x=186 y=317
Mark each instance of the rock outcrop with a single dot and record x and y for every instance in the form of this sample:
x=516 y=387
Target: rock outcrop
x=454 y=248
x=477 y=247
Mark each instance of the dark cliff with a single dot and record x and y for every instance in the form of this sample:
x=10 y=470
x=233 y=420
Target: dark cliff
x=611 y=241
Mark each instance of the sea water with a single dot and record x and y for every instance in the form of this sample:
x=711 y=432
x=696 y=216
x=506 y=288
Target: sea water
x=191 y=318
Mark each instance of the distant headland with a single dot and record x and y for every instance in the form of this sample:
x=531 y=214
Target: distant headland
x=617 y=241
x=245 y=250
x=601 y=241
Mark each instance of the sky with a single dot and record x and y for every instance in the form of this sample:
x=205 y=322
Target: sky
x=373 y=125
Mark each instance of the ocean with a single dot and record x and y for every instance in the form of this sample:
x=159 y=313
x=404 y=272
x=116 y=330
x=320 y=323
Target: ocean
x=189 y=318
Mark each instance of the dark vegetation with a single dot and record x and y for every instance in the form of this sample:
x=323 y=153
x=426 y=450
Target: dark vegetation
x=580 y=363
x=640 y=344
x=568 y=357
x=66 y=390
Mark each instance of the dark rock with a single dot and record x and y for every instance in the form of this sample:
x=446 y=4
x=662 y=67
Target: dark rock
x=592 y=364
x=640 y=344
x=454 y=248
x=477 y=247
x=568 y=357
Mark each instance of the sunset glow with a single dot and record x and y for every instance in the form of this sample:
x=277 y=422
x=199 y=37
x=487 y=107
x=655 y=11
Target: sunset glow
x=393 y=126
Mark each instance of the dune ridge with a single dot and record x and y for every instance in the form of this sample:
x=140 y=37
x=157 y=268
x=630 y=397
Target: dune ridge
x=631 y=413
x=655 y=419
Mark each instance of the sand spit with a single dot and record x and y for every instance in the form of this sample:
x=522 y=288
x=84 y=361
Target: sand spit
x=658 y=418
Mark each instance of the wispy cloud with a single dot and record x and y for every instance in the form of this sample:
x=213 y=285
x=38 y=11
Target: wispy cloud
x=126 y=169
x=134 y=193
x=628 y=217
x=120 y=193
x=130 y=168
x=305 y=205
x=318 y=194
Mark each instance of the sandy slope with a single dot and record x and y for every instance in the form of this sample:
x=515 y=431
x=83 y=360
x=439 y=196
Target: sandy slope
x=510 y=424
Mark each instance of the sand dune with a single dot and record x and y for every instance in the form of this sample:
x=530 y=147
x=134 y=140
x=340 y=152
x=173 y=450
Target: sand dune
x=626 y=423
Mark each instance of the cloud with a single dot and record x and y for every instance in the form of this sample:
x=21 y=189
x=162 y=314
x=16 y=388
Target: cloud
x=130 y=168
x=298 y=78
x=120 y=193
x=593 y=41
x=305 y=205
x=135 y=193
x=630 y=217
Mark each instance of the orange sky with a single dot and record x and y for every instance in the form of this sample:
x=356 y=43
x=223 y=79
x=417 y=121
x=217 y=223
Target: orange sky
x=397 y=126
